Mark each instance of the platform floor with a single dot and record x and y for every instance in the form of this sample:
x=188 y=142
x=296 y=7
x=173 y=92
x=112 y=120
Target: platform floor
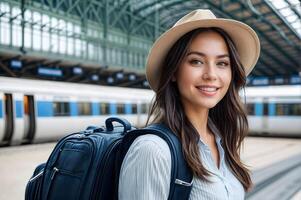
x=18 y=163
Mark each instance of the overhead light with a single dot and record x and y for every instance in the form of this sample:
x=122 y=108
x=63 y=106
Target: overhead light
x=132 y=77
x=119 y=75
x=295 y=79
x=260 y=81
x=145 y=83
x=77 y=70
x=94 y=77
x=110 y=80
x=16 y=64
x=279 y=80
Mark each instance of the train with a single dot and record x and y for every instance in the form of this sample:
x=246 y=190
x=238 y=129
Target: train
x=274 y=110
x=33 y=111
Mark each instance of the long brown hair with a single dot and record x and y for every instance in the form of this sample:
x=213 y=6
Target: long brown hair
x=229 y=115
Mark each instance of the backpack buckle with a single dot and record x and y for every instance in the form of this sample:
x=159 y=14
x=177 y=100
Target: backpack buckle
x=180 y=182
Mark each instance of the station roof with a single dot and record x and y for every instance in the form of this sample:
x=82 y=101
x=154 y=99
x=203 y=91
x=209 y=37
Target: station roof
x=277 y=23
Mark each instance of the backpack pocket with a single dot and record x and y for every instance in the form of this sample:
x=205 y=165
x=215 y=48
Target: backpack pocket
x=34 y=185
x=67 y=174
x=65 y=184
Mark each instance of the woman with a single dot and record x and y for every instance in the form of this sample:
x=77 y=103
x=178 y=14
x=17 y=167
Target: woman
x=196 y=69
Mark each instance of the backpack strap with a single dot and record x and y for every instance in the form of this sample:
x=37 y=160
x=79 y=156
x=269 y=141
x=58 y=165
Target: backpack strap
x=181 y=175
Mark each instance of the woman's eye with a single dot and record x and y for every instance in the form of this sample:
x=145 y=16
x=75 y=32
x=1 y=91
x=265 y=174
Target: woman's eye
x=195 y=62
x=223 y=63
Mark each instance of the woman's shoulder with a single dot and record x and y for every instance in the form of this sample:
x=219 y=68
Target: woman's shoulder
x=148 y=154
x=151 y=145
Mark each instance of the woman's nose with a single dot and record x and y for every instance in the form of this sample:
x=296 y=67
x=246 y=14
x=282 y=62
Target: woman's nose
x=209 y=73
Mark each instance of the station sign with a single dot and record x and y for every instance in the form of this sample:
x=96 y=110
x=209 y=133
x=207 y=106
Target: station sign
x=16 y=64
x=47 y=71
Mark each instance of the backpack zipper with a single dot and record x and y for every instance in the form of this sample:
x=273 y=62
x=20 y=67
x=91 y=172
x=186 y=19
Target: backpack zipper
x=54 y=171
x=36 y=176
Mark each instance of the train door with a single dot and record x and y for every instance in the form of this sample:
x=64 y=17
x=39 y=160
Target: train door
x=1 y=116
x=265 y=123
x=8 y=119
x=18 y=118
x=29 y=119
x=139 y=114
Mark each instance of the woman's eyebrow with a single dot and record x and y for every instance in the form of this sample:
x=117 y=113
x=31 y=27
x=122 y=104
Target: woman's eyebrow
x=203 y=55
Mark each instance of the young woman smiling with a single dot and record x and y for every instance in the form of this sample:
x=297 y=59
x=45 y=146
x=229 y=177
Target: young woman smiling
x=196 y=69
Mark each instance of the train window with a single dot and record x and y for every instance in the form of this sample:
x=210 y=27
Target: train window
x=250 y=109
x=281 y=109
x=61 y=109
x=84 y=108
x=265 y=109
x=134 y=108
x=288 y=109
x=120 y=108
x=296 y=109
x=104 y=108
x=144 y=108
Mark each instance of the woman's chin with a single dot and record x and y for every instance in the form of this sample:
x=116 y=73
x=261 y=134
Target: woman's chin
x=207 y=104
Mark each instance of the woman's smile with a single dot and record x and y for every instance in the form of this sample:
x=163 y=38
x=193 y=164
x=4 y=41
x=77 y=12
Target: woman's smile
x=207 y=90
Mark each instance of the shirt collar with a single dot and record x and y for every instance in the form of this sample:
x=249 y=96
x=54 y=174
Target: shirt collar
x=214 y=130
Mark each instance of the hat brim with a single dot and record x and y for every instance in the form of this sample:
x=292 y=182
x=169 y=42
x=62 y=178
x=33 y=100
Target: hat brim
x=243 y=36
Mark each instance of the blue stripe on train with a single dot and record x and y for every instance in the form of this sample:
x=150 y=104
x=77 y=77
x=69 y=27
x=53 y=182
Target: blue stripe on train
x=95 y=109
x=272 y=109
x=1 y=109
x=128 y=108
x=113 y=109
x=45 y=108
x=73 y=109
x=19 y=109
x=258 y=109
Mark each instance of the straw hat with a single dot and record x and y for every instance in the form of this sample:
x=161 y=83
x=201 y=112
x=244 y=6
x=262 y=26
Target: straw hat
x=243 y=36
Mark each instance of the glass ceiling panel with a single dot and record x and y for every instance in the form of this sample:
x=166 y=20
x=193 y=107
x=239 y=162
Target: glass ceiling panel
x=291 y=11
x=146 y=7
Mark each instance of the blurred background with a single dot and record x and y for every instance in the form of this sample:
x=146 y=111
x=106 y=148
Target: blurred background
x=68 y=64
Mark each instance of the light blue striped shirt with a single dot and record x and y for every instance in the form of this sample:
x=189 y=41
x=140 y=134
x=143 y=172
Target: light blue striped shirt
x=145 y=173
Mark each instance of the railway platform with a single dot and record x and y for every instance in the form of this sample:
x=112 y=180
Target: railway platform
x=275 y=163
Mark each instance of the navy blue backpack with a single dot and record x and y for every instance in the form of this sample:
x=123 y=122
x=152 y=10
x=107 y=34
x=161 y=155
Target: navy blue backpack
x=86 y=165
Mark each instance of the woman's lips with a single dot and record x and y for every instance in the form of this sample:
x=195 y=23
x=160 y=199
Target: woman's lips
x=208 y=90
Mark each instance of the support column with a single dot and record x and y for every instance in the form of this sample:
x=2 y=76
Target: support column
x=22 y=49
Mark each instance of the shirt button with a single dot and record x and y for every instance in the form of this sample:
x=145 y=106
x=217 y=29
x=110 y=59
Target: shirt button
x=227 y=188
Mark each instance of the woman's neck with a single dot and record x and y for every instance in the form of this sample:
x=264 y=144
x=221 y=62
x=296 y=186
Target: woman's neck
x=199 y=118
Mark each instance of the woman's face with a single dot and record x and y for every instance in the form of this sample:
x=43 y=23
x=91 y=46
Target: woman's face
x=204 y=76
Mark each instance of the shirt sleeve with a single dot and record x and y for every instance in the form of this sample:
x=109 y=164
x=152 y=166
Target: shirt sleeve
x=145 y=171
